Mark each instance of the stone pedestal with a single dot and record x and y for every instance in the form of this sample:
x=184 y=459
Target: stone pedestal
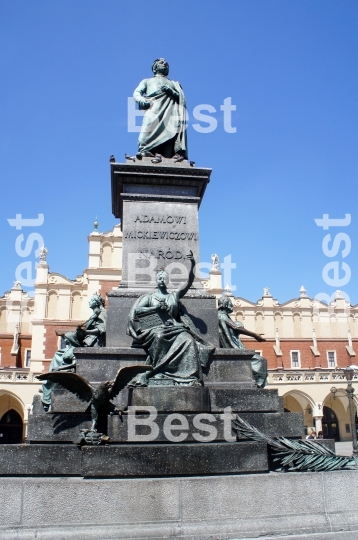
x=189 y=428
x=200 y=307
x=162 y=430
x=158 y=206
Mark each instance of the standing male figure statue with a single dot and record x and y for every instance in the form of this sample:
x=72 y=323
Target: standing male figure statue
x=163 y=130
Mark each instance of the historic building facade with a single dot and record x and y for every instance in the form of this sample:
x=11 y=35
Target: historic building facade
x=306 y=340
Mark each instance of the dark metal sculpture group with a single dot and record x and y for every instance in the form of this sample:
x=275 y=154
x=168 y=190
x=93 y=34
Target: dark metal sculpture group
x=176 y=352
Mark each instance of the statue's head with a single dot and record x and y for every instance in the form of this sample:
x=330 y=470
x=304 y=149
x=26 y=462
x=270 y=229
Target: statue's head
x=162 y=277
x=160 y=65
x=71 y=340
x=225 y=304
x=96 y=301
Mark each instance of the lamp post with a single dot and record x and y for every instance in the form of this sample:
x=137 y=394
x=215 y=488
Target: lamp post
x=349 y=372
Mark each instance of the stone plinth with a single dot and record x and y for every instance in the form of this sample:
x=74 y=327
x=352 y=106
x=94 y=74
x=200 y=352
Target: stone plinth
x=60 y=428
x=194 y=508
x=171 y=398
x=270 y=424
x=229 y=367
x=132 y=460
x=200 y=307
x=158 y=206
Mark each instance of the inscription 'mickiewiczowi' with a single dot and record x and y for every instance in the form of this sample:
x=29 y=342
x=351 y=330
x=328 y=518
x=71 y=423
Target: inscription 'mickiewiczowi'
x=177 y=220
x=161 y=235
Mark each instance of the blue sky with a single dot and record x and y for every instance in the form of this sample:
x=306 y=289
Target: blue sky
x=290 y=68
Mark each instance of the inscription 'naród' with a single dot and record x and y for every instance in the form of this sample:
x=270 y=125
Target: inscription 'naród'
x=175 y=220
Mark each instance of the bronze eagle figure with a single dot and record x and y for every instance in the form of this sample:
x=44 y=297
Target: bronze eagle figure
x=98 y=399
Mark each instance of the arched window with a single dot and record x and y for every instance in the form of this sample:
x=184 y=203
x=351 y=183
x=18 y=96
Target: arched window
x=52 y=305
x=106 y=256
x=11 y=428
x=278 y=323
x=76 y=305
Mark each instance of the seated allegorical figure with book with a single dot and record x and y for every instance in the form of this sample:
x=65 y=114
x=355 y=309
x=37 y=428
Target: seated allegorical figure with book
x=158 y=323
x=91 y=333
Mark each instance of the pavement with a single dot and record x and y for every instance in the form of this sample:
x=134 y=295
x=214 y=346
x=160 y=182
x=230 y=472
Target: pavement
x=342 y=535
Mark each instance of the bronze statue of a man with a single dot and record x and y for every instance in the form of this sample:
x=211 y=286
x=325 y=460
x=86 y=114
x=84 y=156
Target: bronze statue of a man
x=163 y=130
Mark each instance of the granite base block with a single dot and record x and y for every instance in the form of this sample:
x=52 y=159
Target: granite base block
x=195 y=508
x=132 y=460
x=327 y=443
x=278 y=424
x=39 y=459
x=271 y=424
x=174 y=459
x=172 y=398
x=118 y=428
x=63 y=401
x=226 y=366
x=119 y=305
x=201 y=309
x=102 y=363
x=241 y=400
x=59 y=428
x=37 y=407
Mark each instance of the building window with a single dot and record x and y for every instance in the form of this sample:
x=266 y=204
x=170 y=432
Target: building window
x=63 y=343
x=331 y=357
x=295 y=359
x=259 y=352
x=27 y=357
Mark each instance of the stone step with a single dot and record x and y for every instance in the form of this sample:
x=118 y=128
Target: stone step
x=226 y=366
x=171 y=398
x=56 y=428
x=173 y=459
x=241 y=400
x=271 y=424
x=132 y=460
x=65 y=427
x=40 y=459
x=175 y=399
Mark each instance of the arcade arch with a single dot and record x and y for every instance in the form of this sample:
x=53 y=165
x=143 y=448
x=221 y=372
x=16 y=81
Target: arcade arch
x=12 y=416
x=296 y=401
x=336 y=419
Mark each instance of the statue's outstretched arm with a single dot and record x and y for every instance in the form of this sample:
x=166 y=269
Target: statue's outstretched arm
x=183 y=289
x=242 y=330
